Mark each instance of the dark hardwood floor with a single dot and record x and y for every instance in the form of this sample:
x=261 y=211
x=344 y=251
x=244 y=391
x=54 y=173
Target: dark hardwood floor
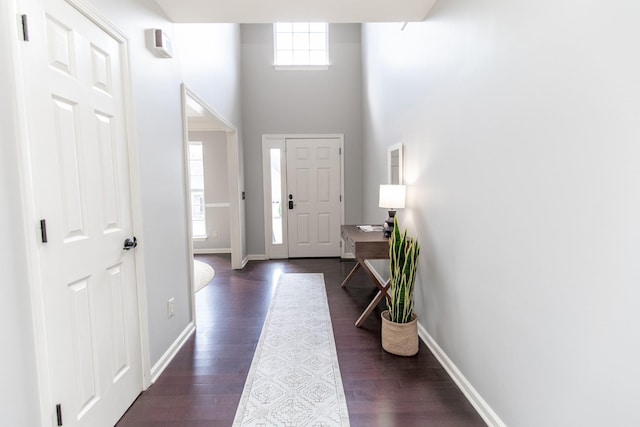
x=203 y=384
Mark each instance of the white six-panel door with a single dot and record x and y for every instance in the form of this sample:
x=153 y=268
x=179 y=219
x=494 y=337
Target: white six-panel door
x=80 y=167
x=313 y=188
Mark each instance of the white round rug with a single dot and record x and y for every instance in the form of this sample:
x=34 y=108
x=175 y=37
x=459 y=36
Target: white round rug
x=202 y=274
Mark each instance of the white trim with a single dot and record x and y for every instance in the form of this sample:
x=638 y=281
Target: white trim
x=390 y=150
x=280 y=140
x=486 y=412
x=171 y=352
x=212 y=251
x=233 y=161
x=245 y=261
x=342 y=195
x=272 y=250
x=235 y=189
x=257 y=257
x=27 y=206
x=136 y=213
x=481 y=406
x=301 y=67
x=187 y=200
x=305 y=135
x=217 y=205
x=218 y=123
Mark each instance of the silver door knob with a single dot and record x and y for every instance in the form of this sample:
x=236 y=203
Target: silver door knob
x=130 y=243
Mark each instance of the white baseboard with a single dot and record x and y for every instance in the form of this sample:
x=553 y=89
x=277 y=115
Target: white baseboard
x=244 y=262
x=171 y=352
x=486 y=412
x=212 y=251
x=256 y=257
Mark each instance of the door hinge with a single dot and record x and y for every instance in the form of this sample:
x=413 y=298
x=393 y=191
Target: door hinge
x=341 y=197
x=25 y=28
x=43 y=230
x=59 y=414
x=340 y=151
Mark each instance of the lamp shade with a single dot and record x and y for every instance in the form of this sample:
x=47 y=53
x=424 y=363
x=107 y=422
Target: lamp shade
x=392 y=196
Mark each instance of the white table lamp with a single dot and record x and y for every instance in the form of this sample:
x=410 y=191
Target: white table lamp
x=392 y=197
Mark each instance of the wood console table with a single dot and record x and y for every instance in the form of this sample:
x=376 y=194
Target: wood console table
x=366 y=245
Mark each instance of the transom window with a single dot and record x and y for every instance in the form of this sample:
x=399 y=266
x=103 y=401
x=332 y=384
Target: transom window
x=301 y=44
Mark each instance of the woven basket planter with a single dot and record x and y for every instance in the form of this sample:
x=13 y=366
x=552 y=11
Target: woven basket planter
x=400 y=339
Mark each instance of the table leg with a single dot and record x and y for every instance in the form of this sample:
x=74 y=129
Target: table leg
x=353 y=271
x=382 y=290
x=372 y=305
x=381 y=286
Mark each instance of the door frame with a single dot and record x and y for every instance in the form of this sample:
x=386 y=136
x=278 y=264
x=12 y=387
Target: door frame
x=213 y=121
x=210 y=120
x=27 y=204
x=279 y=141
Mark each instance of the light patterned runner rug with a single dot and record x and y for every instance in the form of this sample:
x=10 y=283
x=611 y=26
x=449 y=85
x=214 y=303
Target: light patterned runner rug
x=294 y=379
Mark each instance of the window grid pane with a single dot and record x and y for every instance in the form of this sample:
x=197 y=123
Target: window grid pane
x=317 y=41
x=317 y=27
x=199 y=229
x=284 y=27
x=285 y=57
x=317 y=57
x=196 y=174
x=300 y=27
x=195 y=150
x=285 y=41
x=301 y=57
x=301 y=43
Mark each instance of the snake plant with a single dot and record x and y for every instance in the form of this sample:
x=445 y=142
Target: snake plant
x=403 y=264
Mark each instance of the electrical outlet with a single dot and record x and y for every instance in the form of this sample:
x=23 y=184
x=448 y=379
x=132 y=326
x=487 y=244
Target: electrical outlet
x=215 y=234
x=171 y=307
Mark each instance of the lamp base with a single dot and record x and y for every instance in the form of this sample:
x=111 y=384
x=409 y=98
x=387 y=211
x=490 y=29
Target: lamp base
x=388 y=224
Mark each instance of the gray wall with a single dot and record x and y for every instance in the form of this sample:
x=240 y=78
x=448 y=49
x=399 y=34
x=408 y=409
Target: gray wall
x=216 y=190
x=210 y=59
x=520 y=125
x=300 y=102
x=214 y=76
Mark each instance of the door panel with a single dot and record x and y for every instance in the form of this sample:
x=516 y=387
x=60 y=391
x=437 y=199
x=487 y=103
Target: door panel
x=118 y=320
x=65 y=117
x=108 y=172
x=83 y=350
x=80 y=166
x=313 y=182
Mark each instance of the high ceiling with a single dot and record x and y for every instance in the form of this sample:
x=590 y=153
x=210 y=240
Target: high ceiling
x=269 y=11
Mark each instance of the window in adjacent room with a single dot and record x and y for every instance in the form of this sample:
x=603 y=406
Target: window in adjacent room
x=302 y=45
x=196 y=172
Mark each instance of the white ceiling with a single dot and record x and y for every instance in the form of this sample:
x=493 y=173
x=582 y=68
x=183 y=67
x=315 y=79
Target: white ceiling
x=269 y=11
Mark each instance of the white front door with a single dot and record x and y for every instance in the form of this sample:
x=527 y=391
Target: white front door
x=313 y=197
x=74 y=73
